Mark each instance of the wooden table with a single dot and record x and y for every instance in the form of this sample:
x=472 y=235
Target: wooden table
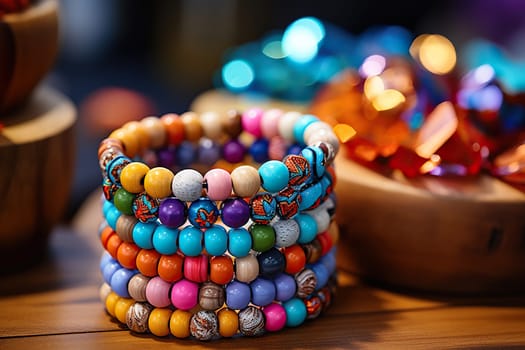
x=56 y=305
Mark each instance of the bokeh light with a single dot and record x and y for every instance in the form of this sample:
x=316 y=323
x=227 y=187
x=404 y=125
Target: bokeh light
x=372 y=65
x=301 y=39
x=435 y=53
x=237 y=74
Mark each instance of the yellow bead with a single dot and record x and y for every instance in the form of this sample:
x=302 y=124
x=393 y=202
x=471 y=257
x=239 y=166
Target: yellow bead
x=121 y=308
x=140 y=133
x=246 y=181
x=228 y=322
x=111 y=302
x=192 y=126
x=132 y=177
x=128 y=139
x=159 y=322
x=157 y=182
x=180 y=323
x=156 y=131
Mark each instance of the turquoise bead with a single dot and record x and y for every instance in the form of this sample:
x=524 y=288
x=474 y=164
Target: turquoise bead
x=300 y=126
x=143 y=234
x=190 y=241
x=106 y=207
x=165 y=240
x=239 y=242
x=311 y=197
x=112 y=216
x=274 y=176
x=307 y=228
x=295 y=312
x=216 y=240
x=315 y=157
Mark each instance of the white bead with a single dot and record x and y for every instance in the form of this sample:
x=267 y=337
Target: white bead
x=323 y=136
x=316 y=127
x=321 y=217
x=187 y=185
x=286 y=124
x=104 y=291
x=246 y=268
x=286 y=232
x=211 y=125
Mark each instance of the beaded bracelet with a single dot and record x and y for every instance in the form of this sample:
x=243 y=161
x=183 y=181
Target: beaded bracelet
x=185 y=294
x=142 y=317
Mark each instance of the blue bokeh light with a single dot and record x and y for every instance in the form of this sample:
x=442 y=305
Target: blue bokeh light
x=237 y=74
x=301 y=39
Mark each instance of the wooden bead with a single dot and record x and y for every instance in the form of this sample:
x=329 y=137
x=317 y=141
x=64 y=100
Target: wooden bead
x=125 y=225
x=157 y=182
x=192 y=126
x=170 y=267
x=246 y=181
x=132 y=177
x=137 y=317
x=286 y=125
x=211 y=125
x=104 y=291
x=251 y=321
x=231 y=123
x=147 y=261
x=246 y=268
x=156 y=131
x=180 y=323
x=121 y=308
x=221 y=269
x=211 y=296
x=174 y=127
x=158 y=322
x=139 y=131
x=306 y=283
x=128 y=139
x=110 y=143
x=228 y=322
x=204 y=325
x=127 y=255
x=137 y=287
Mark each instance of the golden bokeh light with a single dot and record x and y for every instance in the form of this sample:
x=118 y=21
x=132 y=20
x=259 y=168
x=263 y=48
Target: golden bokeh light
x=387 y=99
x=435 y=53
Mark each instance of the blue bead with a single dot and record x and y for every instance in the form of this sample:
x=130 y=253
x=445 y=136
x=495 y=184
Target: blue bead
x=321 y=273
x=271 y=263
x=315 y=157
x=190 y=241
x=165 y=240
x=274 y=176
x=186 y=153
x=259 y=150
x=203 y=213
x=294 y=149
x=209 y=152
x=285 y=286
x=143 y=234
x=216 y=240
x=106 y=206
x=307 y=228
x=295 y=312
x=311 y=197
x=238 y=295
x=114 y=168
x=104 y=260
x=263 y=291
x=120 y=280
x=109 y=270
x=329 y=261
x=112 y=216
x=300 y=126
x=239 y=242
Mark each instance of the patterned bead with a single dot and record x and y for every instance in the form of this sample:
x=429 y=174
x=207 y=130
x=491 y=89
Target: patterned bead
x=295 y=312
x=263 y=208
x=301 y=125
x=306 y=283
x=157 y=182
x=299 y=169
x=259 y=150
x=288 y=202
x=263 y=237
x=123 y=201
x=270 y=122
x=251 y=121
x=263 y=291
x=137 y=287
x=145 y=207
x=228 y=322
x=203 y=213
x=286 y=232
x=157 y=292
x=109 y=143
x=137 y=317
x=172 y=212
x=315 y=157
x=246 y=181
x=204 y=325
x=311 y=196
x=109 y=189
x=235 y=212
x=114 y=168
x=215 y=240
x=238 y=295
x=285 y=286
x=165 y=240
x=209 y=152
x=247 y=268
x=239 y=242
x=107 y=156
x=190 y=241
x=275 y=317
x=271 y=263
x=186 y=153
x=221 y=269
x=211 y=296
x=312 y=251
x=251 y=321
x=196 y=268
x=286 y=125
x=233 y=151
x=184 y=294
x=314 y=306
x=187 y=185
x=218 y=184
x=274 y=176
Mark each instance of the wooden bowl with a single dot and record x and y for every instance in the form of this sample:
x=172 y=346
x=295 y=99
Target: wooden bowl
x=431 y=234
x=37 y=160
x=28 y=46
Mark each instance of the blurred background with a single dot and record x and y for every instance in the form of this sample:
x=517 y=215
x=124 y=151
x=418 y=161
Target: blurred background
x=123 y=59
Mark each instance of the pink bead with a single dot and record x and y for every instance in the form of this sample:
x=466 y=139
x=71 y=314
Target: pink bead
x=196 y=268
x=219 y=184
x=275 y=316
x=157 y=292
x=184 y=294
x=277 y=148
x=251 y=121
x=270 y=123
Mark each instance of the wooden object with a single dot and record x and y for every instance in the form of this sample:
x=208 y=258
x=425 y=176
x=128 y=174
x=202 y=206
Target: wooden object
x=55 y=306
x=28 y=46
x=36 y=158
x=446 y=236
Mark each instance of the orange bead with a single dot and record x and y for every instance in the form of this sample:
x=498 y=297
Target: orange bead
x=105 y=234
x=295 y=259
x=228 y=322
x=180 y=323
x=326 y=242
x=192 y=126
x=114 y=242
x=128 y=139
x=170 y=267
x=127 y=255
x=157 y=182
x=140 y=133
x=147 y=261
x=174 y=127
x=221 y=269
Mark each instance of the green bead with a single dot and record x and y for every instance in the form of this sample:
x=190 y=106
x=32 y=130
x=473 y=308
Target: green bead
x=263 y=237
x=123 y=201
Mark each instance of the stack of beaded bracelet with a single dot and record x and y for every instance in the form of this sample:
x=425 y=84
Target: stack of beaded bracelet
x=238 y=251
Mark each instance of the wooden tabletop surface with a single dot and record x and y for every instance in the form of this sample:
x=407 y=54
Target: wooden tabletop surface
x=55 y=305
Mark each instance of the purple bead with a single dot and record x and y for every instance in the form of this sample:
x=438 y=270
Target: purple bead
x=285 y=287
x=166 y=157
x=263 y=291
x=172 y=212
x=209 y=152
x=235 y=212
x=186 y=154
x=233 y=151
x=238 y=295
